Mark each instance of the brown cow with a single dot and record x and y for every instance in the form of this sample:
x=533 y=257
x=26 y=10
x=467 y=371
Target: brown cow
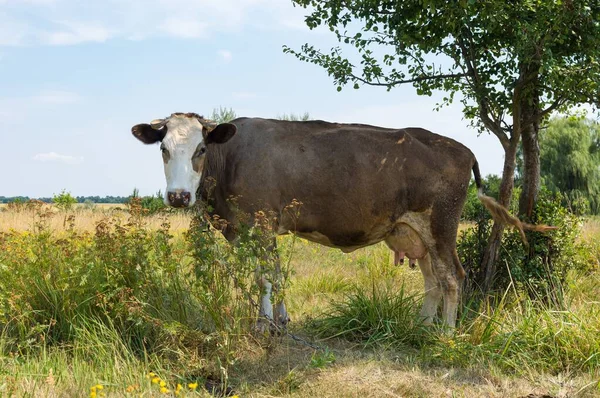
x=358 y=184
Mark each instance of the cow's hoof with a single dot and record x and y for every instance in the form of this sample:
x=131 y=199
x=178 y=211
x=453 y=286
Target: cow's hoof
x=263 y=325
x=279 y=328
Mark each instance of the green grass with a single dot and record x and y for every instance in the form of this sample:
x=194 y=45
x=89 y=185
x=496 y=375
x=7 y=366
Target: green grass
x=108 y=307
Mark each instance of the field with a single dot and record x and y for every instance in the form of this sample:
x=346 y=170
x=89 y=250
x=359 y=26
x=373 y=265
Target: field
x=101 y=302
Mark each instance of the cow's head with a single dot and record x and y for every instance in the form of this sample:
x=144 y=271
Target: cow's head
x=185 y=138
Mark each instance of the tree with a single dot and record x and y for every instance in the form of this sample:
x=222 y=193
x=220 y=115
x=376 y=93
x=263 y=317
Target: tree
x=64 y=200
x=512 y=62
x=223 y=115
x=294 y=117
x=570 y=161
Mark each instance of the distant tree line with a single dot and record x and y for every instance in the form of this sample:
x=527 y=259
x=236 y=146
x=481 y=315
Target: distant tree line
x=80 y=199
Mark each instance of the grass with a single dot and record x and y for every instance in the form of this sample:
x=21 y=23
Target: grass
x=85 y=219
x=119 y=301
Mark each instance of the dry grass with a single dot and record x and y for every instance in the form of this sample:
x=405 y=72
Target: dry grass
x=85 y=219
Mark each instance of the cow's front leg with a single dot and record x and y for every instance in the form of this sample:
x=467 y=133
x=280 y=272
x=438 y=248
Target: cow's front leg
x=265 y=312
x=281 y=315
x=273 y=318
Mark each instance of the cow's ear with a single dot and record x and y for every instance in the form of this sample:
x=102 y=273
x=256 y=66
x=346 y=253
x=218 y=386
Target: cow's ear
x=221 y=134
x=147 y=134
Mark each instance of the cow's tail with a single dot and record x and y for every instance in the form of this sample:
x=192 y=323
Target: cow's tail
x=500 y=214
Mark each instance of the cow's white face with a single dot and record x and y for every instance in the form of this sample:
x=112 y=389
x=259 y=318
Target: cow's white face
x=184 y=142
x=183 y=152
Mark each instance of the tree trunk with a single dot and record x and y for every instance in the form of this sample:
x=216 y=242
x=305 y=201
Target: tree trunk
x=528 y=112
x=531 y=165
x=490 y=258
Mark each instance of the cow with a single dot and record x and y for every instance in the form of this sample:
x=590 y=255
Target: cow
x=358 y=185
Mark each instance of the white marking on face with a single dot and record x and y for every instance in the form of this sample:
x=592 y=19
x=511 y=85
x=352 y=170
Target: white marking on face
x=183 y=139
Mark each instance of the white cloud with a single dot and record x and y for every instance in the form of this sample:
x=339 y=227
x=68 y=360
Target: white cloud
x=12 y=32
x=226 y=55
x=75 y=33
x=57 y=97
x=56 y=157
x=67 y=22
x=184 y=27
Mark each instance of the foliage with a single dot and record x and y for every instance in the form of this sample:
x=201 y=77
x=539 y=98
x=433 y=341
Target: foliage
x=223 y=115
x=152 y=294
x=539 y=269
x=479 y=49
x=294 y=117
x=64 y=200
x=570 y=162
x=150 y=204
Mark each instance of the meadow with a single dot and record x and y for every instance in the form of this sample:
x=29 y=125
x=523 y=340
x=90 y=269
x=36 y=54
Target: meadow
x=105 y=301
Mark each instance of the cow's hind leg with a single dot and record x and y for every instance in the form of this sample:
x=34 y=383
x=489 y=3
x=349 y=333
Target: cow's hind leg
x=433 y=293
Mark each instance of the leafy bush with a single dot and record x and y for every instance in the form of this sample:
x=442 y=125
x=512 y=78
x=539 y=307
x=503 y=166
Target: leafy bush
x=64 y=200
x=150 y=204
x=223 y=115
x=158 y=294
x=539 y=269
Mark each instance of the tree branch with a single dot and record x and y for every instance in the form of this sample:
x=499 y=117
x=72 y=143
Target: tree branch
x=492 y=125
x=414 y=80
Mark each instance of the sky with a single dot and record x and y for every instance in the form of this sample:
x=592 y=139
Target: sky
x=76 y=75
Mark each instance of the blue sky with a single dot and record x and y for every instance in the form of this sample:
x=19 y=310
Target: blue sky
x=76 y=75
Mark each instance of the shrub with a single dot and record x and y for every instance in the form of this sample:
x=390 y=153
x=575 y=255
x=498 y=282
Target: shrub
x=538 y=269
x=159 y=294
x=150 y=205
x=64 y=200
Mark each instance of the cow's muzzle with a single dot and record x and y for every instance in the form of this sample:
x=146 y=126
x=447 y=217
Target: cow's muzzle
x=179 y=198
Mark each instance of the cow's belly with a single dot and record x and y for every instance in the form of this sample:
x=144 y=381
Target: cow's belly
x=319 y=238
x=341 y=237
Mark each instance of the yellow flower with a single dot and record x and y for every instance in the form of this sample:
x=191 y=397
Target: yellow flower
x=156 y=380
x=163 y=383
x=93 y=394
x=99 y=386
x=179 y=387
x=130 y=389
x=164 y=390
x=151 y=375
x=93 y=389
x=193 y=386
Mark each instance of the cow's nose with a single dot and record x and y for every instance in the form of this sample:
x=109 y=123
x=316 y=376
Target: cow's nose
x=179 y=198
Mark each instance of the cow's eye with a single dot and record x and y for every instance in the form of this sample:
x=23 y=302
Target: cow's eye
x=163 y=149
x=200 y=151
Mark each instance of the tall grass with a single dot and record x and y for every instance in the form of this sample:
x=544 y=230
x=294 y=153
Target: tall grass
x=516 y=334
x=122 y=300
x=125 y=294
